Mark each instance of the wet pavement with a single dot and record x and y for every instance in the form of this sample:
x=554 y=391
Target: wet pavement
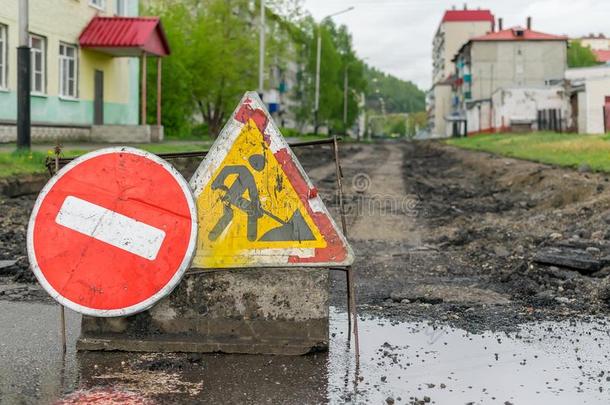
x=547 y=362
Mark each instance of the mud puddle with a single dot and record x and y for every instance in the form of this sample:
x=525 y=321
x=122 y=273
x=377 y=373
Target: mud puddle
x=547 y=362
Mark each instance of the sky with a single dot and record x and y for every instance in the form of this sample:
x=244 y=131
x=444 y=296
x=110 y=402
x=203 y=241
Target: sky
x=396 y=35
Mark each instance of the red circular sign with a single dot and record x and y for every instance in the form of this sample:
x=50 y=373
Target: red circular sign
x=113 y=232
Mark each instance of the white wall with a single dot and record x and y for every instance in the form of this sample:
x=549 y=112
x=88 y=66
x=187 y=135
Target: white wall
x=582 y=116
x=479 y=117
x=596 y=91
x=442 y=108
x=522 y=104
x=590 y=102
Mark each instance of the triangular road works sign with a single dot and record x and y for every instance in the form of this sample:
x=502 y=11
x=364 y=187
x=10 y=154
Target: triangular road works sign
x=256 y=205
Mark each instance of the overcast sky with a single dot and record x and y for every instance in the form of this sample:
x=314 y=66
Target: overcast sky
x=396 y=35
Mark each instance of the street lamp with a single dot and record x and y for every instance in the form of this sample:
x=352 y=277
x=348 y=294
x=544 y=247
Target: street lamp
x=345 y=92
x=261 y=55
x=319 y=54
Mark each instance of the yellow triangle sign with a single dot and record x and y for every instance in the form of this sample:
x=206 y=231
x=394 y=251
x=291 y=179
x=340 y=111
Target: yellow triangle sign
x=256 y=205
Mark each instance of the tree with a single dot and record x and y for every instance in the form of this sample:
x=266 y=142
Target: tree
x=580 y=56
x=213 y=61
x=177 y=103
x=399 y=95
x=337 y=57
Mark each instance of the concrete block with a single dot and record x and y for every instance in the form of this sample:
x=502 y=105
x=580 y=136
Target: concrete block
x=257 y=311
x=121 y=133
x=96 y=133
x=22 y=185
x=157 y=133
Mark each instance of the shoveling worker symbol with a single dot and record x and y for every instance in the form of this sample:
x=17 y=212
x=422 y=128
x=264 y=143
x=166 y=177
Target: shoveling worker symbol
x=294 y=229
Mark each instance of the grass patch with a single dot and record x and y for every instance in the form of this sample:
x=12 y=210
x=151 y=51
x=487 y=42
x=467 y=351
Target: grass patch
x=13 y=163
x=569 y=150
x=17 y=163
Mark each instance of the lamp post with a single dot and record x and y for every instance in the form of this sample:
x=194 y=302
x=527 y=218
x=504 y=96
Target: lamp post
x=316 y=107
x=23 y=79
x=261 y=56
x=345 y=92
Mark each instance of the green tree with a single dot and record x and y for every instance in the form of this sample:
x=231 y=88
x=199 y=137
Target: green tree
x=337 y=58
x=214 y=59
x=580 y=56
x=177 y=103
x=415 y=122
x=399 y=95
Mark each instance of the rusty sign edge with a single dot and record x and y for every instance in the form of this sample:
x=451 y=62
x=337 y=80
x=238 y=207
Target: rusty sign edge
x=216 y=156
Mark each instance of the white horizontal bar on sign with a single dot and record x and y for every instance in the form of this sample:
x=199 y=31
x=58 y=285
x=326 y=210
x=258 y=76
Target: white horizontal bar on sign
x=110 y=227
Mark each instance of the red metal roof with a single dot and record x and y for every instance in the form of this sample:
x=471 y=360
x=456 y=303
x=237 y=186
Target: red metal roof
x=602 y=56
x=468 y=15
x=513 y=34
x=125 y=36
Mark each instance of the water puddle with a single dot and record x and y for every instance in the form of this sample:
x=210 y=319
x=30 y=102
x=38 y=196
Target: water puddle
x=548 y=362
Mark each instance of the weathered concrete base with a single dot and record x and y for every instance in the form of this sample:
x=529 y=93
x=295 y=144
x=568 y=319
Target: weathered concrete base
x=257 y=311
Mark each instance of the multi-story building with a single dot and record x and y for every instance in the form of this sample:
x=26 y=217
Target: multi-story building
x=85 y=69
x=455 y=29
x=512 y=58
x=596 y=42
x=599 y=45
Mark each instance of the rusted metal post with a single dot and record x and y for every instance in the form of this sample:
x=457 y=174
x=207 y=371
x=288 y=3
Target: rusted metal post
x=143 y=90
x=352 y=303
x=159 y=91
x=351 y=295
x=62 y=310
x=339 y=184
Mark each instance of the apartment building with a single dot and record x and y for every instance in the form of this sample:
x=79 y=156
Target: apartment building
x=455 y=29
x=514 y=58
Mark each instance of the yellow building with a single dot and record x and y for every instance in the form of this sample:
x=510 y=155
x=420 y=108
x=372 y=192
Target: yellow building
x=85 y=69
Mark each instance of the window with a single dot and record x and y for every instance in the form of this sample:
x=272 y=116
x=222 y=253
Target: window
x=38 y=54
x=121 y=7
x=97 y=3
x=3 y=57
x=68 y=71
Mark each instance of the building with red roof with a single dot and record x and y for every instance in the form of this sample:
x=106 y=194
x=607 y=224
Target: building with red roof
x=519 y=34
x=510 y=58
x=455 y=29
x=87 y=70
x=468 y=16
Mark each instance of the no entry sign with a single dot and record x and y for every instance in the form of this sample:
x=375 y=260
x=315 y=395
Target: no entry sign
x=112 y=232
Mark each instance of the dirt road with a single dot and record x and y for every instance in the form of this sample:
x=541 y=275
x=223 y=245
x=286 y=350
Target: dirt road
x=440 y=234
x=447 y=242
x=451 y=235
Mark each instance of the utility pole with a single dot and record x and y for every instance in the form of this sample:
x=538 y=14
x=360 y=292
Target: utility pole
x=345 y=89
x=23 y=79
x=316 y=104
x=261 y=56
